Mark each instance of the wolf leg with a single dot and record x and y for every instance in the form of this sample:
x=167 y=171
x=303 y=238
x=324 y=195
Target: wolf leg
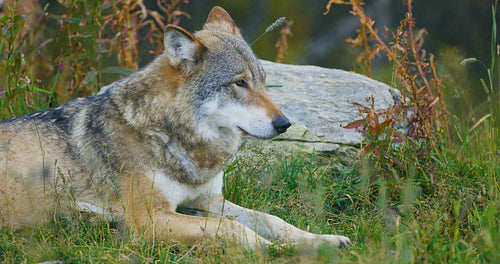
x=267 y=225
x=147 y=212
x=193 y=229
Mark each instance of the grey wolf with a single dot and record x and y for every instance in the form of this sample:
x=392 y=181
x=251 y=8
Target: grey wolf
x=152 y=142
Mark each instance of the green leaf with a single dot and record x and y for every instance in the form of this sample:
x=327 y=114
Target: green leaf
x=90 y=77
x=485 y=87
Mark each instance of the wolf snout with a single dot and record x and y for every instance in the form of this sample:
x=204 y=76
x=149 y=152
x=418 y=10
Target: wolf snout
x=281 y=124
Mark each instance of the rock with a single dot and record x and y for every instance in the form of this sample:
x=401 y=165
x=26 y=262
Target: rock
x=315 y=100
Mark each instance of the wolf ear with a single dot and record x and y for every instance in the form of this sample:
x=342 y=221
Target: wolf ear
x=219 y=19
x=182 y=48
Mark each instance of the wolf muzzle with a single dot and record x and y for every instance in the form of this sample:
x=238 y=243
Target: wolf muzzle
x=281 y=124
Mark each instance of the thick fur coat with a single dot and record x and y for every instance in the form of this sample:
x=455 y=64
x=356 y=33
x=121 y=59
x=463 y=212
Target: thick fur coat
x=150 y=143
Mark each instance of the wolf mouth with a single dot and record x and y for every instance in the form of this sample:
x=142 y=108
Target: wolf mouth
x=247 y=134
x=244 y=133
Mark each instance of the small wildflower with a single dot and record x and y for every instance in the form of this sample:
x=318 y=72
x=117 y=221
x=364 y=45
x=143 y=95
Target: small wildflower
x=469 y=61
x=271 y=27
x=276 y=24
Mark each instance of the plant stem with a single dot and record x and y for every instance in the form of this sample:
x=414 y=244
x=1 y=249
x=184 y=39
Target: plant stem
x=414 y=50
x=491 y=71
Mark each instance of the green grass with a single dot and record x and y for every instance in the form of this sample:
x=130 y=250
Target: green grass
x=454 y=222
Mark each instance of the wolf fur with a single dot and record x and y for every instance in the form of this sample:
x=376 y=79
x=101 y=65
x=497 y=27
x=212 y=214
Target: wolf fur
x=151 y=142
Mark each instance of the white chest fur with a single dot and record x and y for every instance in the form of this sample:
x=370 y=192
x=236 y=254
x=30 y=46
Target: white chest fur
x=178 y=193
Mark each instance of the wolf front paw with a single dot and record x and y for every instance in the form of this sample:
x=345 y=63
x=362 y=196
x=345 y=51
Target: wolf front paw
x=333 y=240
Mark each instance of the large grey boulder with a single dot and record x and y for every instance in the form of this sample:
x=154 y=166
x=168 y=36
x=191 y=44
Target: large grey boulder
x=316 y=101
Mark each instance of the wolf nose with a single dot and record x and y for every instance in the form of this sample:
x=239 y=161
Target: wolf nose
x=281 y=123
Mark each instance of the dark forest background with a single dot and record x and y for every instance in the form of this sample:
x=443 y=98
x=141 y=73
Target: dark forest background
x=456 y=29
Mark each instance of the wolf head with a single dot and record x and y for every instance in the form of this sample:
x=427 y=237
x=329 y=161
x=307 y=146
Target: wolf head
x=225 y=80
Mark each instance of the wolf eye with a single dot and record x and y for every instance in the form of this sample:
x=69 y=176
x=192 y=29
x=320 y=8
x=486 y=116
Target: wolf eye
x=241 y=83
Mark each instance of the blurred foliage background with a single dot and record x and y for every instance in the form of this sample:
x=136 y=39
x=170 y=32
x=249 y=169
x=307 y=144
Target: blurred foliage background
x=456 y=29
